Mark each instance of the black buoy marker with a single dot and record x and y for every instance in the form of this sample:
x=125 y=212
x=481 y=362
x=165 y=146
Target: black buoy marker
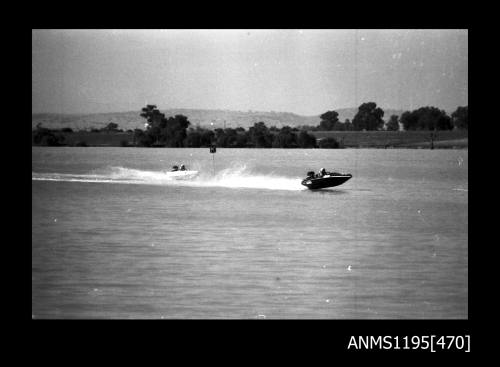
x=213 y=149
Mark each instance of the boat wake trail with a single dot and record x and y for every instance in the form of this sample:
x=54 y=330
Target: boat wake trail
x=236 y=178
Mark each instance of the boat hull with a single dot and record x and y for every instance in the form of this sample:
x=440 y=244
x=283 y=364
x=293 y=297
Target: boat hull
x=182 y=175
x=325 y=181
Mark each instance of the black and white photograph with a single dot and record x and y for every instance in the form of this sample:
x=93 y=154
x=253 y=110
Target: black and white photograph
x=249 y=174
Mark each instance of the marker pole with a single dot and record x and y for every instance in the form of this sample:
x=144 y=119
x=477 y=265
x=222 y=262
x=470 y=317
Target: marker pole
x=213 y=149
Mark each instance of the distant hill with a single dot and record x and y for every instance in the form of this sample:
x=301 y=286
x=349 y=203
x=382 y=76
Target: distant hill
x=203 y=118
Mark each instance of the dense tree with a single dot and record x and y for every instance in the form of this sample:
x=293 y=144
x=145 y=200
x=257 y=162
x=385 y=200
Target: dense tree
x=260 y=136
x=409 y=120
x=329 y=143
x=305 y=140
x=460 y=117
x=444 y=121
x=222 y=137
x=199 y=137
x=339 y=126
x=393 y=123
x=52 y=140
x=152 y=114
x=426 y=118
x=155 y=123
x=230 y=138
x=348 y=126
x=193 y=138
x=111 y=127
x=47 y=137
x=207 y=138
x=328 y=120
x=142 y=139
x=241 y=139
x=174 y=131
x=368 y=117
x=286 y=138
x=308 y=128
x=161 y=131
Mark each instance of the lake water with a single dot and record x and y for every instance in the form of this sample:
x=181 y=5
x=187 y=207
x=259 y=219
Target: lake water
x=112 y=237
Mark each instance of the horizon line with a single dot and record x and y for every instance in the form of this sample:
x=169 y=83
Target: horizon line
x=230 y=110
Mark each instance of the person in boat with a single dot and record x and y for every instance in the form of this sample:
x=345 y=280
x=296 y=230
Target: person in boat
x=174 y=168
x=183 y=167
x=322 y=172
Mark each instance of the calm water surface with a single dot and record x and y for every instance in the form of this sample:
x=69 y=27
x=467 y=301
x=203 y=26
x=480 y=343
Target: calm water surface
x=112 y=237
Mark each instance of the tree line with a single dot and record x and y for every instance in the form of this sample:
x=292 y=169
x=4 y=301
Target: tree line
x=370 y=118
x=55 y=137
x=176 y=131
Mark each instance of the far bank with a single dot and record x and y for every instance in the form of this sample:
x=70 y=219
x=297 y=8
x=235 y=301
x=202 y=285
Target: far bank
x=454 y=139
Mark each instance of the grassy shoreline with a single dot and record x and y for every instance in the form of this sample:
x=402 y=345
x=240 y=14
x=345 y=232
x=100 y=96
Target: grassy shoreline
x=398 y=139
x=455 y=139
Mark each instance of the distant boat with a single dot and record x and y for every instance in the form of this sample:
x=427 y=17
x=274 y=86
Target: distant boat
x=181 y=174
x=327 y=179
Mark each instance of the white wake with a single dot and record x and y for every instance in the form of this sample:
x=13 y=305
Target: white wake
x=236 y=177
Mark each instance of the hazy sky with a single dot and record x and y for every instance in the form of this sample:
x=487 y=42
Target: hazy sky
x=303 y=71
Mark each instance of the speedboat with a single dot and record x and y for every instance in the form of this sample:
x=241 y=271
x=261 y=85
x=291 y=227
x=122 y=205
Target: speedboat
x=181 y=174
x=327 y=179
